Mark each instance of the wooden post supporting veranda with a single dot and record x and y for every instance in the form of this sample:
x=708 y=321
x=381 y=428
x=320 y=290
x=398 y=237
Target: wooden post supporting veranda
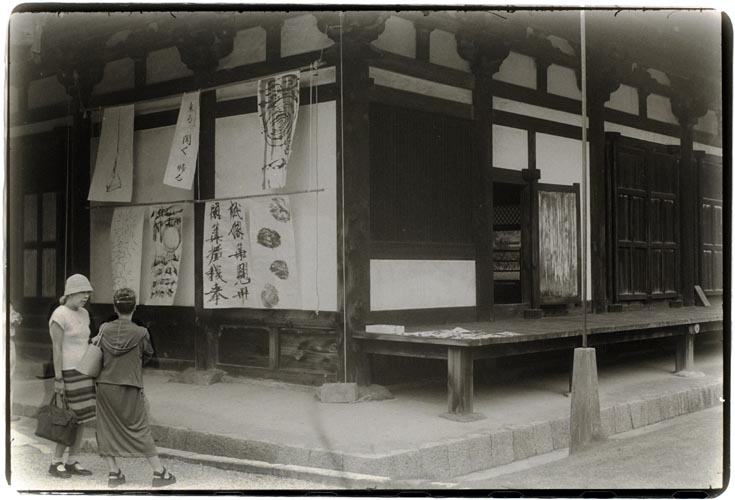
x=460 y=385
x=685 y=353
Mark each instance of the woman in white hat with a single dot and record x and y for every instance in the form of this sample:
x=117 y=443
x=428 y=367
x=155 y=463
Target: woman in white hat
x=69 y=328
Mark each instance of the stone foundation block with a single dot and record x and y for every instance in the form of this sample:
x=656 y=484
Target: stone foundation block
x=502 y=448
x=638 y=413
x=435 y=462
x=542 y=438
x=337 y=393
x=623 y=421
x=653 y=407
x=560 y=433
x=696 y=401
x=524 y=443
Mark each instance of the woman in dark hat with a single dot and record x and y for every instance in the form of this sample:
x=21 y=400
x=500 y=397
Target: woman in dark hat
x=123 y=429
x=69 y=327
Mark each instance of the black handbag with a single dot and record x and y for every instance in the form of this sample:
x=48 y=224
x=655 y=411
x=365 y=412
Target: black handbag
x=56 y=422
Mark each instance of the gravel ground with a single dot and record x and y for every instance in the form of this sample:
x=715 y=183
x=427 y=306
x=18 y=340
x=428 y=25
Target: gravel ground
x=31 y=456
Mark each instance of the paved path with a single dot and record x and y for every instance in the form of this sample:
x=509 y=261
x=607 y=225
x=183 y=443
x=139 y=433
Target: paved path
x=30 y=457
x=684 y=453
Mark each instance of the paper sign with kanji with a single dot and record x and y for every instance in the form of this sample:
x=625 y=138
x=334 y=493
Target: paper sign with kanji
x=182 y=159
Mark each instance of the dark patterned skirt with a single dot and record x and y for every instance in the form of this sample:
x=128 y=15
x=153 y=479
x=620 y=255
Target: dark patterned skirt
x=80 y=394
x=122 y=422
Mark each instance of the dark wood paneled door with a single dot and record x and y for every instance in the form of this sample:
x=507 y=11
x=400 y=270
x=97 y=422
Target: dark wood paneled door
x=710 y=227
x=644 y=214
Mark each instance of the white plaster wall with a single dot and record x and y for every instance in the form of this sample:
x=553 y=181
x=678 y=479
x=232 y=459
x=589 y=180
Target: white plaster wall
x=306 y=78
x=399 y=37
x=45 y=92
x=443 y=51
x=151 y=149
x=518 y=69
x=643 y=135
x=708 y=123
x=659 y=76
x=560 y=161
x=420 y=86
x=248 y=48
x=659 y=108
x=300 y=34
x=312 y=165
x=561 y=44
x=624 y=99
x=510 y=147
x=421 y=284
x=118 y=75
x=521 y=108
x=562 y=81
x=165 y=64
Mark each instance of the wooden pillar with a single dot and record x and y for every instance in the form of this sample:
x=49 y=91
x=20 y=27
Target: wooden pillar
x=685 y=350
x=201 y=49
x=485 y=55
x=352 y=33
x=688 y=106
x=205 y=332
x=530 y=267
x=79 y=79
x=606 y=69
x=460 y=385
x=423 y=41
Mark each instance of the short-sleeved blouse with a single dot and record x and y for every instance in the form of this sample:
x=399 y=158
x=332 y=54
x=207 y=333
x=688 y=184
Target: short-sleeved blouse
x=75 y=324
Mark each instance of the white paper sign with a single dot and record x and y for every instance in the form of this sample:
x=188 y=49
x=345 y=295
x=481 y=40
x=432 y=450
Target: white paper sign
x=226 y=256
x=278 y=108
x=126 y=245
x=274 y=271
x=113 y=172
x=166 y=229
x=182 y=159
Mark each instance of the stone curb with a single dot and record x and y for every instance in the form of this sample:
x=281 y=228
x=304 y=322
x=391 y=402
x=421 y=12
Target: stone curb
x=432 y=462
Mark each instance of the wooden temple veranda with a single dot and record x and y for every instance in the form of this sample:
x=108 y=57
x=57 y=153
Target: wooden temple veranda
x=435 y=179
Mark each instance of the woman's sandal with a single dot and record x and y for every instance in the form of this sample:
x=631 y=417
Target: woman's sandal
x=163 y=478
x=115 y=479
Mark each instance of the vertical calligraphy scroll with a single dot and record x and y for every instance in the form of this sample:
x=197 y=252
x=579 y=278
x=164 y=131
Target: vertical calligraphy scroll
x=166 y=226
x=113 y=171
x=274 y=253
x=278 y=108
x=185 y=146
x=126 y=247
x=226 y=253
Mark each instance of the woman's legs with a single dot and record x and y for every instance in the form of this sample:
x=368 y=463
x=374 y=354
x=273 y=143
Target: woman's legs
x=59 y=453
x=76 y=446
x=112 y=464
x=155 y=463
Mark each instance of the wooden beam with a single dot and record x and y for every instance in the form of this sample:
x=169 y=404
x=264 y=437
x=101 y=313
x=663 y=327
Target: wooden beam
x=460 y=381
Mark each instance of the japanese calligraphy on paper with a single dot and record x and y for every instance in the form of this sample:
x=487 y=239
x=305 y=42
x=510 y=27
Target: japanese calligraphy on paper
x=249 y=255
x=113 y=171
x=126 y=247
x=278 y=108
x=226 y=252
x=166 y=226
x=185 y=146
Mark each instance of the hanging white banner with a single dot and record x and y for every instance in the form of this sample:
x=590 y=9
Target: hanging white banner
x=113 y=171
x=226 y=256
x=278 y=108
x=274 y=272
x=126 y=247
x=182 y=159
x=166 y=228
